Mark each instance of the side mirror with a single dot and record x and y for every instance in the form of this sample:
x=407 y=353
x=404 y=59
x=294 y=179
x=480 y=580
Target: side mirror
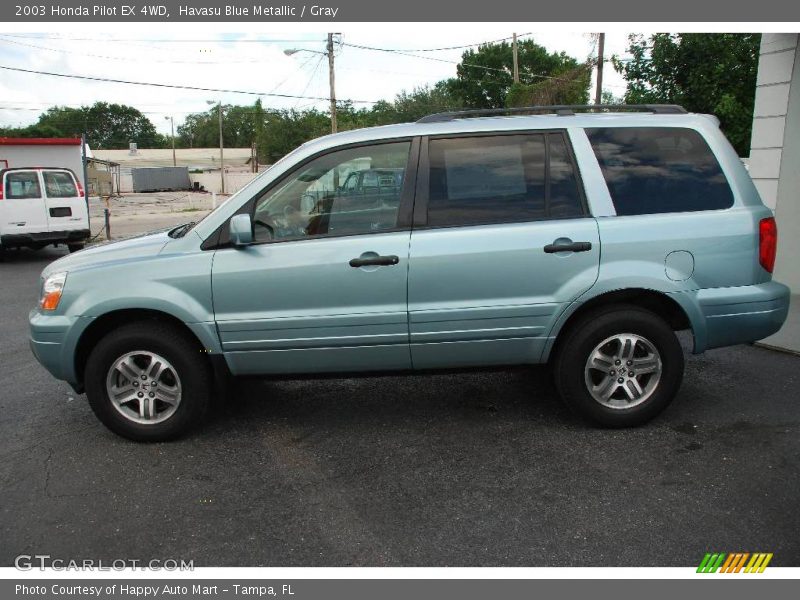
x=241 y=230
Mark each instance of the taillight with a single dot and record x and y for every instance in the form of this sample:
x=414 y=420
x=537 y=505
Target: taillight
x=767 y=243
x=1 y=192
x=80 y=188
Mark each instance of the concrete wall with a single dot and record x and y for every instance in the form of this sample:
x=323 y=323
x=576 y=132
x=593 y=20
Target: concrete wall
x=233 y=181
x=775 y=146
x=44 y=156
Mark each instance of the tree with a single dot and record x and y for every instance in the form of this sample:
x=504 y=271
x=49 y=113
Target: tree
x=201 y=130
x=484 y=76
x=285 y=130
x=570 y=87
x=704 y=72
x=106 y=125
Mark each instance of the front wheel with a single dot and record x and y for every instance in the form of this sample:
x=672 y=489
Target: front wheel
x=619 y=366
x=148 y=381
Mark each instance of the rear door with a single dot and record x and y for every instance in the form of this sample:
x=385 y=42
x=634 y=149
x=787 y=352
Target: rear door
x=23 y=208
x=64 y=201
x=502 y=242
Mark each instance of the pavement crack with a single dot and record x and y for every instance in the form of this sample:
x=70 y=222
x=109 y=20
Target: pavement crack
x=47 y=473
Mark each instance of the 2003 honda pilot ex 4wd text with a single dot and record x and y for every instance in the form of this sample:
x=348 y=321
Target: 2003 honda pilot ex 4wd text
x=582 y=240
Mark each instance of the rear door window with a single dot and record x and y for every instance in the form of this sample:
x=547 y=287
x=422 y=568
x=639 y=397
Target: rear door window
x=59 y=184
x=21 y=185
x=501 y=179
x=652 y=170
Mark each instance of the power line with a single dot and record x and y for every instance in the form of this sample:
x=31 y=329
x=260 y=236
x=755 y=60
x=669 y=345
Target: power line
x=453 y=62
x=310 y=79
x=174 y=86
x=293 y=73
x=363 y=47
x=157 y=40
x=128 y=58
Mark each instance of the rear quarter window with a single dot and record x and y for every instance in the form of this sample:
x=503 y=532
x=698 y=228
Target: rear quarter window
x=652 y=170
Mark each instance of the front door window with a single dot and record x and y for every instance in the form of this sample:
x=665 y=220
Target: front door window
x=336 y=194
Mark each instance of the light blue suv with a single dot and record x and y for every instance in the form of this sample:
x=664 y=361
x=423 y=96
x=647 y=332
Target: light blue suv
x=574 y=238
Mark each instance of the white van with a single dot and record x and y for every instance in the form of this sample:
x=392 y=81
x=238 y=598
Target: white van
x=41 y=206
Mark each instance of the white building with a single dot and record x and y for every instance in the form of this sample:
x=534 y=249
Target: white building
x=775 y=162
x=42 y=152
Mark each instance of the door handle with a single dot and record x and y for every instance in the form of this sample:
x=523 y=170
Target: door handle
x=374 y=261
x=568 y=247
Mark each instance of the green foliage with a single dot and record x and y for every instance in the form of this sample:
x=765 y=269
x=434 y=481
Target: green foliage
x=201 y=130
x=484 y=76
x=106 y=126
x=571 y=87
x=704 y=72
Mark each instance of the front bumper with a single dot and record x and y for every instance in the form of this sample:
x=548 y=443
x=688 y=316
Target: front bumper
x=743 y=314
x=53 y=341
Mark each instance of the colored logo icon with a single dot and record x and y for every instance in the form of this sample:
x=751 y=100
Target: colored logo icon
x=737 y=562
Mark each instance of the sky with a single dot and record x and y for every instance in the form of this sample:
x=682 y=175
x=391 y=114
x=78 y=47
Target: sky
x=254 y=61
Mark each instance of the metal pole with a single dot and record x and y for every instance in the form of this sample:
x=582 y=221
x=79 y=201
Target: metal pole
x=85 y=176
x=221 y=157
x=516 y=59
x=107 y=218
x=331 y=78
x=598 y=96
x=172 y=130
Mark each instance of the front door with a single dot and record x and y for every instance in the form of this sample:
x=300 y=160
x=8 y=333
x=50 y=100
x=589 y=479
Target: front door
x=324 y=288
x=502 y=243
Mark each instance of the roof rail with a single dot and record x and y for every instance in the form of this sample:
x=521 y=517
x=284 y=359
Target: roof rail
x=562 y=110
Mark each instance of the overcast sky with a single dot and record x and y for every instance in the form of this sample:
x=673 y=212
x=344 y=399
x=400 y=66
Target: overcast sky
x=235 y=61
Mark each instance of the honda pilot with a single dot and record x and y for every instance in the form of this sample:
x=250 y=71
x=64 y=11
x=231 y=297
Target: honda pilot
x=572 y=236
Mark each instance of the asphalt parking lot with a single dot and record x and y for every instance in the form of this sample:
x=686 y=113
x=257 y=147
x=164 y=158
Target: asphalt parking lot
x=485 y=468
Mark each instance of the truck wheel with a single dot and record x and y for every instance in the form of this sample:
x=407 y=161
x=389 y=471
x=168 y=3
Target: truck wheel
x=619 y=366
x=75 y=247
x=148 y=381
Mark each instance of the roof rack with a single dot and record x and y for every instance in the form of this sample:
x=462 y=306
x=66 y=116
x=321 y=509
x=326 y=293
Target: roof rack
x=562 y=110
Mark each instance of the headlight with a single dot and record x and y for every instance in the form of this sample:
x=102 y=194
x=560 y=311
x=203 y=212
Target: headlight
x=51 y=291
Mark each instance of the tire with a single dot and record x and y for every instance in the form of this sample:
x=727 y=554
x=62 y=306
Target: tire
x=75 y=247
x=179 y=400
x=636 y=338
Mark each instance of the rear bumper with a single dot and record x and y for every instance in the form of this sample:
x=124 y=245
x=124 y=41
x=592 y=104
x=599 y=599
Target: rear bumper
x=742 y=314
x=44 y=237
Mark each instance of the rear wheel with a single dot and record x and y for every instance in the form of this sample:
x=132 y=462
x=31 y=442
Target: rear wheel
x=619 y=366
x=148 y=381
x=75 y=247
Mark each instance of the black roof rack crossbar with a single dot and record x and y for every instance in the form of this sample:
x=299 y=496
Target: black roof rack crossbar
x=564 y=110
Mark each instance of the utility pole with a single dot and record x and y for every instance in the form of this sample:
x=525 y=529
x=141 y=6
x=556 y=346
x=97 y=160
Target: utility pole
x=516 y=59
x=601 y=41
x=332 y=80
x=221 y=158
x=172 y=135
